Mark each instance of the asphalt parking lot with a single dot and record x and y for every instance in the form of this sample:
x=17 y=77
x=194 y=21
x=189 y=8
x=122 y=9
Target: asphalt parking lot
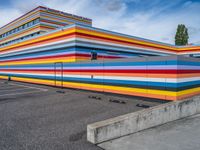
x=36 y=117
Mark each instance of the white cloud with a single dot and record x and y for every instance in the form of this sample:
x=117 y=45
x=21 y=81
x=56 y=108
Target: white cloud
x=156 y=23
x=7 y=15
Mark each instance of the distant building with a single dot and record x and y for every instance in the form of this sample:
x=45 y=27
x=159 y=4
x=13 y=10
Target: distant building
x=37 y=21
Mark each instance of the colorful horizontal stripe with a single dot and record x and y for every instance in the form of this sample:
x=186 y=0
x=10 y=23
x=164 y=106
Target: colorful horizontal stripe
x=125 y=64
x=122 y=76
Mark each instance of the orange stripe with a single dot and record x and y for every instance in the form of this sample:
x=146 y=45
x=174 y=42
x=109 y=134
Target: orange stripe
x=14 y=36
x=187 y=95
x=39 y=39
x=105 y=74
x=122 y=43
x=44 y=42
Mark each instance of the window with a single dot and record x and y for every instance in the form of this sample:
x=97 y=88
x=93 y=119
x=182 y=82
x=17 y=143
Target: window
x=37 y=20
x=29 y=24
x=24 y=26
x=93 y=55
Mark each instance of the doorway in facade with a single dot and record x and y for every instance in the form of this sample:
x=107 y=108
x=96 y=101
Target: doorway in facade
x=58 y=74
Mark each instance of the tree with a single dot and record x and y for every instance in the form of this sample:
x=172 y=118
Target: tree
x=182 y=36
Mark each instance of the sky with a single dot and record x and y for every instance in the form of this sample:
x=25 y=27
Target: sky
x=152 y=19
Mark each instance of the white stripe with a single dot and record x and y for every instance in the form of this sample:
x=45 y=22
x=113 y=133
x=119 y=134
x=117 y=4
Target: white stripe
x=120 y=45
x=107 y=77
x=128 y=78
x=40 y=46
x=86 y=40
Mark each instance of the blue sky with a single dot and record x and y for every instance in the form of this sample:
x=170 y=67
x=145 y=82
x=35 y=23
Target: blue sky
x=151 y=19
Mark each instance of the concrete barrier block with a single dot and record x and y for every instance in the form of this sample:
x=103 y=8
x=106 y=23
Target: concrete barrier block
x=133 y=122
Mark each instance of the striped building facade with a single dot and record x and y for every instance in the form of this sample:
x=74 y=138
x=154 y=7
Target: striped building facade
x=35 y=22
x=77 y=55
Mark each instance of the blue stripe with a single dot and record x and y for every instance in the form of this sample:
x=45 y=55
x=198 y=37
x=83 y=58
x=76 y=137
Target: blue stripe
x=108 y=81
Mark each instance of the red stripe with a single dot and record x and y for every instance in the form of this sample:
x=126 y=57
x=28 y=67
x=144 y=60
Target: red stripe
x=97 y=37
x=189 y=51
x=111 y=71
x=49 y=21
x=57 y=56
x=46 y=57
x=93 y=36
x=35 y=43
x=101 y=56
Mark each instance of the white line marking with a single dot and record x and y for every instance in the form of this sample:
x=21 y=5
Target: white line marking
x=4 y=90
x=19 y=93
x=31 y=87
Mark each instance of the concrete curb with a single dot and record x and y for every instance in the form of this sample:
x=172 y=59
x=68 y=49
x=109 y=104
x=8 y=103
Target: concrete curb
x=133 y=122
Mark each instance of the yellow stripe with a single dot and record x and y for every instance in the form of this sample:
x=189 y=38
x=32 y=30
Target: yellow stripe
x=20 y=34
x=44 y=37
x=40 y=61
x=18 y=20
x=39 y=81
x=89 y=32
x=107 y=87
x=77 y=19
x=189 y=91
x=100 y=34
x=93 y=86
x=3 y=77
x=56 y=19
x=189 y=48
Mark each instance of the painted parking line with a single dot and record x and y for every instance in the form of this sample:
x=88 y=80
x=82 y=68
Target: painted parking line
x=20 y=85
x=12 y=89
x=30 y=87
x=3 y=82
x=19 y=90
x=21 y=93
x=7 y=87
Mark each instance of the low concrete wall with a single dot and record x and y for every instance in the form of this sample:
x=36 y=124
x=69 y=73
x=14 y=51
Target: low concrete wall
x=137 y=121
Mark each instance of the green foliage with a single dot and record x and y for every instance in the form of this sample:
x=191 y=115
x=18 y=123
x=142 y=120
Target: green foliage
x=182 y=36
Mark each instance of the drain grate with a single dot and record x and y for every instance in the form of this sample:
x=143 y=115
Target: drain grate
x=62 y=92
x=117 y=101
x=143 y=105
x=95 y=97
